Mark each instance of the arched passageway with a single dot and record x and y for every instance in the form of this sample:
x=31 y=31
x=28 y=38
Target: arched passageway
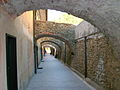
x=67 y=50
x=55 y=42
x=58 y=47
x=56 y=37
x=64 y=30
x=102 y=14
x=51 y=42
x=49 y=49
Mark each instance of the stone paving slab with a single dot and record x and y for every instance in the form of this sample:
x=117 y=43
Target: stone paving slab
x=56 y=76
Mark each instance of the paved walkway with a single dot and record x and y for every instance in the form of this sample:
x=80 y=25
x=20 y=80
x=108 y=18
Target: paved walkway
x=56 y=76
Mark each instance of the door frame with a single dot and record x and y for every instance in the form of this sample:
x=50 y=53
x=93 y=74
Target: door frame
x=13 y=37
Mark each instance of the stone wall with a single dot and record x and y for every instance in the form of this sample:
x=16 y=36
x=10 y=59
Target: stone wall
x=68 y=56
x=102 y=65
x=78 y=62
x=65 y=31
x=22 y=29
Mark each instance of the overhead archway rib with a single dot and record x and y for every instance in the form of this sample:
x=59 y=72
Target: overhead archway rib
x=54 y=36
x=104 y=14
x=51 y=42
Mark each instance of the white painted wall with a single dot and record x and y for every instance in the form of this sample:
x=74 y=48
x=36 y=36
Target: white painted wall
x=22 y=29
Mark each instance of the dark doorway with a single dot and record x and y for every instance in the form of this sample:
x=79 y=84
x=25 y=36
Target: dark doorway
x=52 y=51
x=11 y=62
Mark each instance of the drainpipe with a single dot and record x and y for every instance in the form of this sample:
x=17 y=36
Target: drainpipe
x=34 y=41
x=65 y=54
x=41 y=51
x=85 y=42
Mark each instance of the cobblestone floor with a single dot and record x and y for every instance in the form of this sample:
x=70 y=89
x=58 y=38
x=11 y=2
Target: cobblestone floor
x=56 y=76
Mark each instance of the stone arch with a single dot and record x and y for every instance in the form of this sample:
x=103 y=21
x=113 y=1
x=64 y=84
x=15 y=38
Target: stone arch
x=65 y=30
x=57 y=41
x=56 y=45
x=56 y=37
x=51 y=46
x=57 y=49
x=104 y=14
x=91 y=11
x=51 y=42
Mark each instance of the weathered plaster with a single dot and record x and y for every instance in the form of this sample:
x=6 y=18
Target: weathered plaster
x=84 y=29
